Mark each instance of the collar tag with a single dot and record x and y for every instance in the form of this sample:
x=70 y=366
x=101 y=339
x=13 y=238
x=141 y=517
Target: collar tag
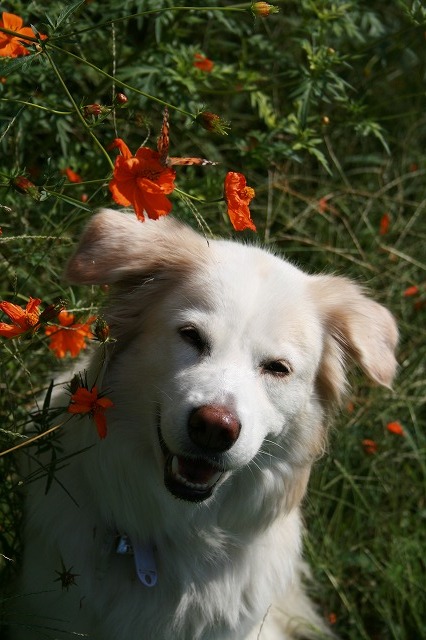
x=146 y=568
x=145 y=564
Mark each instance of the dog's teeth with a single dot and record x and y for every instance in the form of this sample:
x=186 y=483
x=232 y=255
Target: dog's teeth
x=192 y=485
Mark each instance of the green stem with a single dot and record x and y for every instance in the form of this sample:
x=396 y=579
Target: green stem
x=34 y=438
x=191 y=197
x=16 y=34
x=242 y=8
x=120 y=83
x=77 y=109
x=37 y=106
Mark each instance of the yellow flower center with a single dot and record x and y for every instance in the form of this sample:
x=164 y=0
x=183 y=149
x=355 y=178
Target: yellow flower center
x=150 y=174
x=247 y=193
x=31 y=319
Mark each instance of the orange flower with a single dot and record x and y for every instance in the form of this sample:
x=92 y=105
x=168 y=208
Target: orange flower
x=411 y=291
x=141 y=181
x=23 y=320
x=370 y=446
x=238 y=196
x=84 y=402
x=350 y=406
x=203 y=63
x=332 y=618
x=396 y=428
x=10 y=46
x=384 y=224
x=322 y=204
x=72 y=175
x=71 y=338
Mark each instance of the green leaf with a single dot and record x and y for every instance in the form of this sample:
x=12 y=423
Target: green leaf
x=66 y=13
x=12 y=65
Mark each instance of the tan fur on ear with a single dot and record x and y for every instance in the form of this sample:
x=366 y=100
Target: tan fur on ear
x=356 y=326
x=115 y=245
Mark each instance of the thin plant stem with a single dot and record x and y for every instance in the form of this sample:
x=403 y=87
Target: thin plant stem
x=37 y=106
x=76 y=108
x=34 y=438
x=120 y=83
x=241 y=8
x=201 y=200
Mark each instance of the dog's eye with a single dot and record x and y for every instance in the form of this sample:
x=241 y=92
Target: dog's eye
x=278 y=368
x=192 y=336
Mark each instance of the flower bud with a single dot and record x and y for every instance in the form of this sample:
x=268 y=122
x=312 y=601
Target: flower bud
x=92 y=110
x=101 y=330
x=263 y=9
x=212 y=122
x=121 y=98
x=23 y=185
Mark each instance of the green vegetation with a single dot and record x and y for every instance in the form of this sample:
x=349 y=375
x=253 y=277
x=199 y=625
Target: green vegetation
x=326 y=106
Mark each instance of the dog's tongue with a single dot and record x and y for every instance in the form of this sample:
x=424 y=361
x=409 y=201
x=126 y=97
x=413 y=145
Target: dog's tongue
x=195 y=471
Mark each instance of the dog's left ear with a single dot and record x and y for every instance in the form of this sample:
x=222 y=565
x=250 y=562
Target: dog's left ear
x=354 y=326
x=115 y=246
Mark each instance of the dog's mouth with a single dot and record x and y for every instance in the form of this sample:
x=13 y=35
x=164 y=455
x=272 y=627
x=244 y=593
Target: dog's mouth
x=187 y=478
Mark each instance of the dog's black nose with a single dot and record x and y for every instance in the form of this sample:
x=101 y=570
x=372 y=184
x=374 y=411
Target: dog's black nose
x=213 y=427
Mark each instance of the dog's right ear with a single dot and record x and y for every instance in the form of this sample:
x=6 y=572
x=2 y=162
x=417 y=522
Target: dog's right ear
x=116 y=245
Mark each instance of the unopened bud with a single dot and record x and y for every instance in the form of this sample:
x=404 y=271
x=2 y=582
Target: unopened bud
x=121 y=98
x=23 y=185
x=101 y=330
x=263 y=9
x=212 y=122
x=92 y=110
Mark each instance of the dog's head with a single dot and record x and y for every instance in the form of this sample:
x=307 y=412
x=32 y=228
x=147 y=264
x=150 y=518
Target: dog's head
x=227 y=358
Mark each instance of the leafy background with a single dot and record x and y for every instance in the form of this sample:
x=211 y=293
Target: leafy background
x=326 y=102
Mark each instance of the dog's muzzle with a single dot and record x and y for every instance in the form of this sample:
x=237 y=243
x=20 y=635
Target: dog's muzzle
x=212 y=429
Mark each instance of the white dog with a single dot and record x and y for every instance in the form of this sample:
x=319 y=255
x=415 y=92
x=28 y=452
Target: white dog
x=183 y=522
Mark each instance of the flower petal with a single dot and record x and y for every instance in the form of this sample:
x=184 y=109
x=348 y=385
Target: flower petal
x=238 y=197
x=32 y=304
x=11 y=21
x=118 y=143
x=101 y=426
x=13 y=311
x=10 y=331
x=116 y=189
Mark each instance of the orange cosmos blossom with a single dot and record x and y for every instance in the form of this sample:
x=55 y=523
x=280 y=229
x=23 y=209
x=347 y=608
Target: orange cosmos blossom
x=411 y=291
x=384 y=224
x=10 y=46
x=23 y=320
x=396 y=428
x=238 y=196
x=203 y=63
x=141 y=181
x=72 y=175
x=370 y=446
x=69 y=336
x=85 y=402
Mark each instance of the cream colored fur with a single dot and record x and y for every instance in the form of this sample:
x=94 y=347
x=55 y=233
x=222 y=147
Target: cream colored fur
x=229 y=567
